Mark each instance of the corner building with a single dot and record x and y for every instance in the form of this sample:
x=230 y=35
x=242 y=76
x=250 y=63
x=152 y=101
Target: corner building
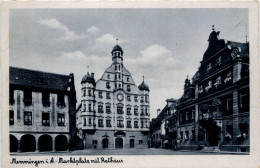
x=114 y=112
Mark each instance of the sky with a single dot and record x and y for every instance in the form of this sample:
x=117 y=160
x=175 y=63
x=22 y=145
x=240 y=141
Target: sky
x=163 y=45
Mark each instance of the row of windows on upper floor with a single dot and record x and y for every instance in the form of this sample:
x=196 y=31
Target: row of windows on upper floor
x=120 y=123
x=117 y=76
x=45 y=118
x=27 y=98
x=100 y=95
x=144 y=111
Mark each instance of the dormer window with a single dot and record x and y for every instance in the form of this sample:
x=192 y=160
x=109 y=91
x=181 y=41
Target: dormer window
x=127 y=79
x=108 y=76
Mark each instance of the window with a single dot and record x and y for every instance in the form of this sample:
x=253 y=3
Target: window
x=180 y=117
x=108 y=76
x=136 y=100
x=120 y=123
x=46 y=99
x=27 y=97
x=89 y=92
x=129 y=124
x=100 y=95
x=119 y=76
x=119 y=85
x=136 y=111
x=61 y=102
x=89 y=107
x=128 y=110
x=100 y=123
x=85 y=122
x=142 y=99
x=94 y=142
x=146 y=99
x=142 y=111
x=192 y=114
x=244 y=102
x=108 y=123
x=136 y=124
x=45 y=119
x=115 y=85
x=120 y=110
x=11 y=117
x=108 y=109
x=229 y=105
x=108 y=95
x=128 y=88
x=84 y=107
x=27 y=118
x=61 y=119
x=11 y=96
x=115 y=67
x=243 y=128
x=100 y=108
x=140 y=141
x=186 y=115
x=128 y=98
x=108 y=85
x=84 y=92
x=229 y=129
x=89 y=121
x=127 y=79
x=142 y=124
x=119 y=67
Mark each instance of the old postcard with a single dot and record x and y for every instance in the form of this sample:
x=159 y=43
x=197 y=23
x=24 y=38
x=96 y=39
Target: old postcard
x=130 y=84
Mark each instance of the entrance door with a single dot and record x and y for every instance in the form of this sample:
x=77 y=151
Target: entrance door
x=105 y=143
x=119 y=143
x=132 y=143
x=213 y=133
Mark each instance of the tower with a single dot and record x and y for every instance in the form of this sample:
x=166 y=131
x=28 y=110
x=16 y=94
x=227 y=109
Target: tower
x=117 y=59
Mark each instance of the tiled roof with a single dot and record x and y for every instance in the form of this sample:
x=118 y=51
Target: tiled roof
x=38 y=79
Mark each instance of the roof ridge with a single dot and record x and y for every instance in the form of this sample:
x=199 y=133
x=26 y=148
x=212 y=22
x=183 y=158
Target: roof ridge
x=38 y=71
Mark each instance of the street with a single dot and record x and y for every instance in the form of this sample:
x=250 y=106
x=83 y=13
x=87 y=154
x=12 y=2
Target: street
x=150 y=151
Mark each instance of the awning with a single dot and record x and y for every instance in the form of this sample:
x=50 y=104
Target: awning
x=166 y=141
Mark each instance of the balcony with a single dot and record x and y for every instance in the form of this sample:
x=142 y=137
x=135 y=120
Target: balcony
x=211 y=115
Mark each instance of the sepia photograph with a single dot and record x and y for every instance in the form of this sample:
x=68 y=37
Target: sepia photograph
x=128 y=81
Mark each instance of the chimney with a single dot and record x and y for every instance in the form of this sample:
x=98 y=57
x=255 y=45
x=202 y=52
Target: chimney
x=92 y=75
x=158 y=111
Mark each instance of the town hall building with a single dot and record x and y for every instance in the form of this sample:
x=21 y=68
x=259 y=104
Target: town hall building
x=114 y=112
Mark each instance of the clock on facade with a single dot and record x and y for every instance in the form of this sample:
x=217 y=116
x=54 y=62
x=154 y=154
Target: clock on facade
x=120 y=97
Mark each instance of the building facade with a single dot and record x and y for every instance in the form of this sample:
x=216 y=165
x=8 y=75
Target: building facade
x=214 y=109
x=41 y=110
x=114 y=112
x=158 y=127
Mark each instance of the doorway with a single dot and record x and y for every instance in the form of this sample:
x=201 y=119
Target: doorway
x=119 y=143
x=105 y=143
x=132 y=143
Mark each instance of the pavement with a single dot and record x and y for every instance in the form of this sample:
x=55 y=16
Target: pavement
x=134 y=151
